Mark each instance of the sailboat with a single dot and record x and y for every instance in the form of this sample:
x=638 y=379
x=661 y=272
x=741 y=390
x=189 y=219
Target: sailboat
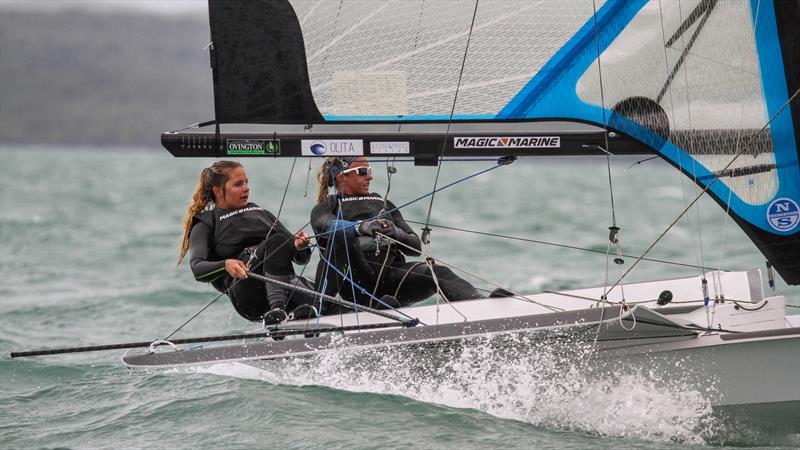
x=712 y=87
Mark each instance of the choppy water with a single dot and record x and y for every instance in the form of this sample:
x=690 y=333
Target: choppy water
x=88 y=242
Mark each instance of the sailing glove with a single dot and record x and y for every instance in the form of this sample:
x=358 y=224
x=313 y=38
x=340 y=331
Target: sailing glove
x=370 y=227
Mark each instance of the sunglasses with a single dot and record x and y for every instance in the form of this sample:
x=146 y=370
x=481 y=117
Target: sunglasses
x=360 y=171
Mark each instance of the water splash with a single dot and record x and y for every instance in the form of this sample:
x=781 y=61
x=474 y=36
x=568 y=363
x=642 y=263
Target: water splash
x=555 y=384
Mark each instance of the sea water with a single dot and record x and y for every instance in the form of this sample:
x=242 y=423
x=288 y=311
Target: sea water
x=88 y=245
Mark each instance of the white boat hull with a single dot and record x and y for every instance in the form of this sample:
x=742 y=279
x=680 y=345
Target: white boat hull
x=752 y=356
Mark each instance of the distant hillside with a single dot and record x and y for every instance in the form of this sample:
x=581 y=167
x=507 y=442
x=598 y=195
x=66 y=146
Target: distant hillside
x=99 y=79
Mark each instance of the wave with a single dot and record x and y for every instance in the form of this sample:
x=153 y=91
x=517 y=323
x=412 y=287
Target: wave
x=555 y=386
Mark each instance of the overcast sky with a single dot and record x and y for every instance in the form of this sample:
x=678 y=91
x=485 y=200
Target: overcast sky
x=109 y=6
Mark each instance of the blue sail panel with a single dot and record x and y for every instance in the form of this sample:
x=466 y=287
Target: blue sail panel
x=766 y=156
x=705 y=84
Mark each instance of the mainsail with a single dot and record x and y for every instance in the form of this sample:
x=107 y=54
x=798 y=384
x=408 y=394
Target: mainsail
x=710 y=86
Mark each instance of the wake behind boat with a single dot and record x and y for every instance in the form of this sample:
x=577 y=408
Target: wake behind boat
x=595 y=93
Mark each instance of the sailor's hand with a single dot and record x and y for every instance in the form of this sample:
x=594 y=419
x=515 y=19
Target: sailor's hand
x=410 y=242
x=391 y=230
x=370 y=227
x=301 y=240
x=236 y=268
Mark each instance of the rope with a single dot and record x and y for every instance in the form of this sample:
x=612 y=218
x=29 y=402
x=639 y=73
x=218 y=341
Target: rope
x=339 y=215
x=286 y=189
x=553 y=244
x=614 y=229
x=730 y=191
x=363 y=290
x=641 y=161
x=603 y=104
x=429 y=262
x=389 y=171
x=421 y=197
x=699 y=247
x=708 y=186
x=308 y=178
x=750 y=309
x=332 y=299
x=622 y=309
x=452 y=112
x=718 y=281
x=517 y=297
x=403 y=280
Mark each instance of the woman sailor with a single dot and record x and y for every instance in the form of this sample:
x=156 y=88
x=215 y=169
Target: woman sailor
x=357 y=217
x=226 y=236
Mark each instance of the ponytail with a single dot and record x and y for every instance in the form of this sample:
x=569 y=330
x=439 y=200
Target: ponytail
x=324 y=178
x=331 y=168
x=213 y=176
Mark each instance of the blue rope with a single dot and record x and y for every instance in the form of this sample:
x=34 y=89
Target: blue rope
x=329 y=265
x=362 y=290
x=339 y=215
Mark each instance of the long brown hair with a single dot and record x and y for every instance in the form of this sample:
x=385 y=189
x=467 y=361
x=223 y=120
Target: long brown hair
x=330 y=169
x=324 y=178
x=213 y=176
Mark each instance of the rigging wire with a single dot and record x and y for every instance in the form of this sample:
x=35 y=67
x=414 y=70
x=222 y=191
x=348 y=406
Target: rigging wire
x=453 y=266
x=413 y=53
x=363 y=290
x=718 y=282
x=426 y=231
x=613 y=235
x=425 y=238
x=390 y=170
x=699 y=246
x=396 y=208
x=349 y=271
x=718 y=273
x=308 y=178
x=603 y=108
x=555 y=244
x=640 y=161
x=711 y=183
x=285 y=190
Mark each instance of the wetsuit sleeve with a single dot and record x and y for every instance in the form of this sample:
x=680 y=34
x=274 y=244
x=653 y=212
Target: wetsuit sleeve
x=301 y=256
x=201 y=259
x=321 y=217
x=410 y=239
x=324 y=222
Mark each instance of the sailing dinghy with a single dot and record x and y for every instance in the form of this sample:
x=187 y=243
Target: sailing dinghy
x=709 y=86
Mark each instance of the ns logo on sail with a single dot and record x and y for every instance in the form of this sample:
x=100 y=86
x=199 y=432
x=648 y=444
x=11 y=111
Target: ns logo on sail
x=783 y=214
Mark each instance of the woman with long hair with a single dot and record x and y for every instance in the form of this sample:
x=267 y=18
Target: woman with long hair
x=226 y=237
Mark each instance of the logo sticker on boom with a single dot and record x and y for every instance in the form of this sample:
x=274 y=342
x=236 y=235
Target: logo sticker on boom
x=508 y=142
x=783 y=214
x=253 y=146
x=332 y=147
x=389 y=148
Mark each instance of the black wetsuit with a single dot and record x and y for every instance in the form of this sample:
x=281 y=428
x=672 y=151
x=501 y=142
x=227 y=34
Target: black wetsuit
x=380 y=269
x=221 y=234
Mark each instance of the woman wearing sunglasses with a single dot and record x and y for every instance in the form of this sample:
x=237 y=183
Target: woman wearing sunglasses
x=226 y=236
x=349 y=225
